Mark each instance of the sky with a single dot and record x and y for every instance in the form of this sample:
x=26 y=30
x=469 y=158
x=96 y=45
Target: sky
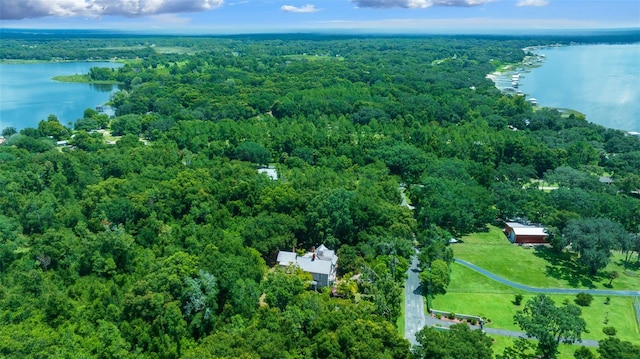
x=250 y=16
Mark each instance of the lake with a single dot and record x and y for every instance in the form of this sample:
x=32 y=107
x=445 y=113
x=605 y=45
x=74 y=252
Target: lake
x=601 y=81
x=28 y=94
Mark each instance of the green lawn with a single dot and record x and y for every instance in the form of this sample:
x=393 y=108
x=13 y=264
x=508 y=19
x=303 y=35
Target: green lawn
x=465 y=295
x=539 y=267
x=566 y=350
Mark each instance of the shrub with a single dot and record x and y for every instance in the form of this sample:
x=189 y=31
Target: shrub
x=517 y=300
x=584 y=299
x=451 y=315
x=608 y=300
x=438 y=316
x=474 y=321
x=584 y=353
x=610 y=331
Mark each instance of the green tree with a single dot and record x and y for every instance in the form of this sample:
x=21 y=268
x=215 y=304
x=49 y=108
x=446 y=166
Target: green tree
x=584 y=353
x=280 y=287
x=458 y=342
x=551 y=325
x=583 y=299
x=9 y=131
x=593 y=239
x=614 y=348
x=252 y=152
x=436 y=278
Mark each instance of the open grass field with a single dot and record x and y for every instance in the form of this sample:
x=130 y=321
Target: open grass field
x=474 y=294
x=174 y=50
x=541 y=266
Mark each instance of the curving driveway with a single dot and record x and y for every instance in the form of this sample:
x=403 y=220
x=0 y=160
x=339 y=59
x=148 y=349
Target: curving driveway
x=628 y=293
x=416 y=318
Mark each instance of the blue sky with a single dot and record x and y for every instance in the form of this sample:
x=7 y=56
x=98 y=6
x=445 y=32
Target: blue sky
x=244 y=16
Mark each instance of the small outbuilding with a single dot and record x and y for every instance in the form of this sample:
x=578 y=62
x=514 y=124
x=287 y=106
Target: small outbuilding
x=519 y=233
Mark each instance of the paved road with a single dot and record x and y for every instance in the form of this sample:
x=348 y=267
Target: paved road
x=485 y=272
x=431 y=321
x=414 y=318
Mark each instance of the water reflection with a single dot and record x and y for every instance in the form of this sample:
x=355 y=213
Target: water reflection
x=102 y=87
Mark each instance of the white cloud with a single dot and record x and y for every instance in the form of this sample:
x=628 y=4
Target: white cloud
x=417 y=4
x=301 y=9
x=532 y=3
x=29 y=9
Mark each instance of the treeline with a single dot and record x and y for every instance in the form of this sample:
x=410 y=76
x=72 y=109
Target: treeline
x=160 y=245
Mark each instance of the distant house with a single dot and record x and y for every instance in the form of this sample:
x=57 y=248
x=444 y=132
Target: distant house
x=322 y=263
x=605 y=180
x=522 y=233
x=269 y=171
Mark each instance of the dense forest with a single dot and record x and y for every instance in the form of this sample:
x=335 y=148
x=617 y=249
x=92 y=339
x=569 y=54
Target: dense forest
x=162 y=244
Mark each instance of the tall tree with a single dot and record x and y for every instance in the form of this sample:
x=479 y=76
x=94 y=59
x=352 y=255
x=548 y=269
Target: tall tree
x=593 y=239
x=614 y=348
x=436 y=278
x=551 y=325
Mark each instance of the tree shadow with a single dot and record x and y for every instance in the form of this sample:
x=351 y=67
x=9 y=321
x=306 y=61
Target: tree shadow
x=419 y=290
x=563 y=266
x=632 y=265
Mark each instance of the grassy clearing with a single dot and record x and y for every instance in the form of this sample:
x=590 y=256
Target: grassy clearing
x=540 y=267
x=466 y=296
x=108 y=137
x=174 y=50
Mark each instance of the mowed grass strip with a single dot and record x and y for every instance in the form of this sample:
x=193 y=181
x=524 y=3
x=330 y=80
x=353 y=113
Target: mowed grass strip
x=540 y=266
x=497 y=305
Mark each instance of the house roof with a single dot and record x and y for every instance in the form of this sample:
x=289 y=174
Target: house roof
x=323 y=263
x=326 y=254
x=286 y=258
x=526 y=230
x=530 y=231
x=271 y=172
x=314 y=266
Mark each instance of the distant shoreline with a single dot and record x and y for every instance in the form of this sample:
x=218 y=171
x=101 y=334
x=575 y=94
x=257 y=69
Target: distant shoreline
x=501 y=76
x=26 y=62
x=84 y=79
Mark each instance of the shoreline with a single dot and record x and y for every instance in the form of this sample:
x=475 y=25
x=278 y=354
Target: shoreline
x=83 y=79
x=501 y=75
x=29 y=61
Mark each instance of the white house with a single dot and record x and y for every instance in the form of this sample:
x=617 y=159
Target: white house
x=321 y=262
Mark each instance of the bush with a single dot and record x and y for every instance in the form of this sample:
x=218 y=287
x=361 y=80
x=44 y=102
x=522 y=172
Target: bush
x=610 y=331
x=608 y=300
x=438 y=316
x=584 y=299
x=584 y=353
x=474 y=321
x=517 y=300
x=451 y=315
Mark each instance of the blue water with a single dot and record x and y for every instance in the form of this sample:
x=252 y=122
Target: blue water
x=601 y=81
x=28 y=94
